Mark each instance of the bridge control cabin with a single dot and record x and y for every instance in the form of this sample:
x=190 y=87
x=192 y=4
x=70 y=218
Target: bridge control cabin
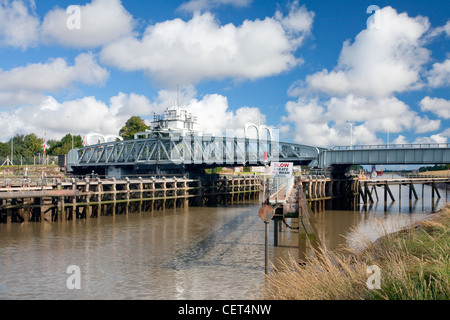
x=174 y=122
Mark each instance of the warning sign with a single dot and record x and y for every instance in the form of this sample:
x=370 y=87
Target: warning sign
x=281 y=169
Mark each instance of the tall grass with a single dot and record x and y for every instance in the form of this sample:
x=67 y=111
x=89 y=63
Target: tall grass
x=414 y=265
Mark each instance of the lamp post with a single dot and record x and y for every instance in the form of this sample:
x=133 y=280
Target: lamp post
x=12 y=145
x=388 y=139
x=351 y=133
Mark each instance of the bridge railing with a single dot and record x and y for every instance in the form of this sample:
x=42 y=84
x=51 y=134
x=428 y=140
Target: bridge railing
x=394 y=146
x=279 y=188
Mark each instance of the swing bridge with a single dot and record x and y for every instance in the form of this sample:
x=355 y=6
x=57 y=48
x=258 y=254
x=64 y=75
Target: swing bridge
x=181 y=154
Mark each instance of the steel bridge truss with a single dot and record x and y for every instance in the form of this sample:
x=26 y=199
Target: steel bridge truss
x=187 y=150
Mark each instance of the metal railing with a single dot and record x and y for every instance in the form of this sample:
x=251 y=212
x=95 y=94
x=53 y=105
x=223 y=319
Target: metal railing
x=280 y=188
x=394 y=146
x=28 y=161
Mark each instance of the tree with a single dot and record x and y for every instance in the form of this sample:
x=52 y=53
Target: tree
x=4 y=149
x=65 y=145
x=32 y=144
x=133 y=125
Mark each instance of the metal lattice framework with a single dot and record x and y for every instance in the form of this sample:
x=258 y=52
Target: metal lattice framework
x=229 y=151
x=187 y=150
x=393 y=154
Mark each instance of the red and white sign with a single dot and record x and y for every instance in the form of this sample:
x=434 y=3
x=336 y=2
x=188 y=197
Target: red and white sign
x=281 y=169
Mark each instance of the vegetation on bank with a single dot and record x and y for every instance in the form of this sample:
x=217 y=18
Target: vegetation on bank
x=414 y=264
x=435 y=168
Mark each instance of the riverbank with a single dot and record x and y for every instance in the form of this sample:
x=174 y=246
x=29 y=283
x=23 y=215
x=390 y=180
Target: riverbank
x=411 y=264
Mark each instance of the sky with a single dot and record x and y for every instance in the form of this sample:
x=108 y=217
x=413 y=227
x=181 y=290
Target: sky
x=323 y=73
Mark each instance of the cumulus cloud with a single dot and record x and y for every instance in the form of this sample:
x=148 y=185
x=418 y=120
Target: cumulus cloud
x=380 y=61
x=438 y=106
x=439 y=75
x=18 y=24
x=54 y=75
x=101 y=21
x=445 y=29
x=88 y=114
x=376 y=65
x=26 y=84
x=203 y=5
x=187 y=52
x=325 y=123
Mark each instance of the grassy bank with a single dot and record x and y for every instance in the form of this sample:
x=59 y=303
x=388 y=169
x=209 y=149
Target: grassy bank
x=414 y=264
x=440 y=173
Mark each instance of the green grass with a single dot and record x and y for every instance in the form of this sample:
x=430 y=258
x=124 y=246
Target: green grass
x=414 y=264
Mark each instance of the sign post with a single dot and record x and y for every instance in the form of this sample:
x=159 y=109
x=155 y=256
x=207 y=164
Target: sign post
x=281 y=169
x=266 y=214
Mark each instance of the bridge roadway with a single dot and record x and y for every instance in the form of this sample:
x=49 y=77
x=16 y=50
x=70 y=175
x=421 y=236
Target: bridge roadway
x=190 y=153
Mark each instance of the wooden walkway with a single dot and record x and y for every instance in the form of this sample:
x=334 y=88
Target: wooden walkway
x=368 y=187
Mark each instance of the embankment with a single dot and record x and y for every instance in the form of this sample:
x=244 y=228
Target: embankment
x=411 y=264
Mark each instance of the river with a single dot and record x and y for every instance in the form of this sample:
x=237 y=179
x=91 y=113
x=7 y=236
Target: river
x=194 y=253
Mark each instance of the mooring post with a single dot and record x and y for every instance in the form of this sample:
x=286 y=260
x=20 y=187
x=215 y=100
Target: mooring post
x=114 y=194
x=127 y=195
x=307 y=223
x=275 y=233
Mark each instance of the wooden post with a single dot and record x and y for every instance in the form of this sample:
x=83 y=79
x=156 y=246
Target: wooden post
x=127 y=195
x=376 y=193
x=165 y=193
x=275 y=232
x=88 y=196
x=367 y=191
x=412 y=190
x=114 y=195
x=99 y=198
x=362 y=194
x=307 y=227
x=386 y=191
x=141 y=194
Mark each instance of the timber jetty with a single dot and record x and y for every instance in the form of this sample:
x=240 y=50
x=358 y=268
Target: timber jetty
x=60 y=200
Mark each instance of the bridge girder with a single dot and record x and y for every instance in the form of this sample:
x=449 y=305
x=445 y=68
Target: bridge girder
x=191 y=151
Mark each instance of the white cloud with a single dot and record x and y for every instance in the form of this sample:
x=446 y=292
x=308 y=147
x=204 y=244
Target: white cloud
x=379 y=62
x=202 y=5
x=88 y=114
x=436 y=138
x=33 y=79
x=186 y=52
x=439 y=106
x=101 y=22
x=439 y=30
x=311 y=124
x=439 y=75
x=18 y=24
x=324 y=123
x=215 y=116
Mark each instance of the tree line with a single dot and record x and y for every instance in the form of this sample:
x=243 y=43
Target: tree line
x=31 y=145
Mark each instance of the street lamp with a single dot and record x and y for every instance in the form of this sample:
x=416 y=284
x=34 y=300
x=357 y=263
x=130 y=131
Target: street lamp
x=12 y=146
x=351 y=133
x=388 y=139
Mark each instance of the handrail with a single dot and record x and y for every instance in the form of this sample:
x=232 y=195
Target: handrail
x=394 y=146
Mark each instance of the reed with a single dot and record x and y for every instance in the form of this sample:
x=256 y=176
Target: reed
x=414 y=264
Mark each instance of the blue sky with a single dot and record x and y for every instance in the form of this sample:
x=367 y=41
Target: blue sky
x=303 y=67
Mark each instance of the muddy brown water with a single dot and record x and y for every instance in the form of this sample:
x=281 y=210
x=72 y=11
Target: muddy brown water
x=193 y=253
